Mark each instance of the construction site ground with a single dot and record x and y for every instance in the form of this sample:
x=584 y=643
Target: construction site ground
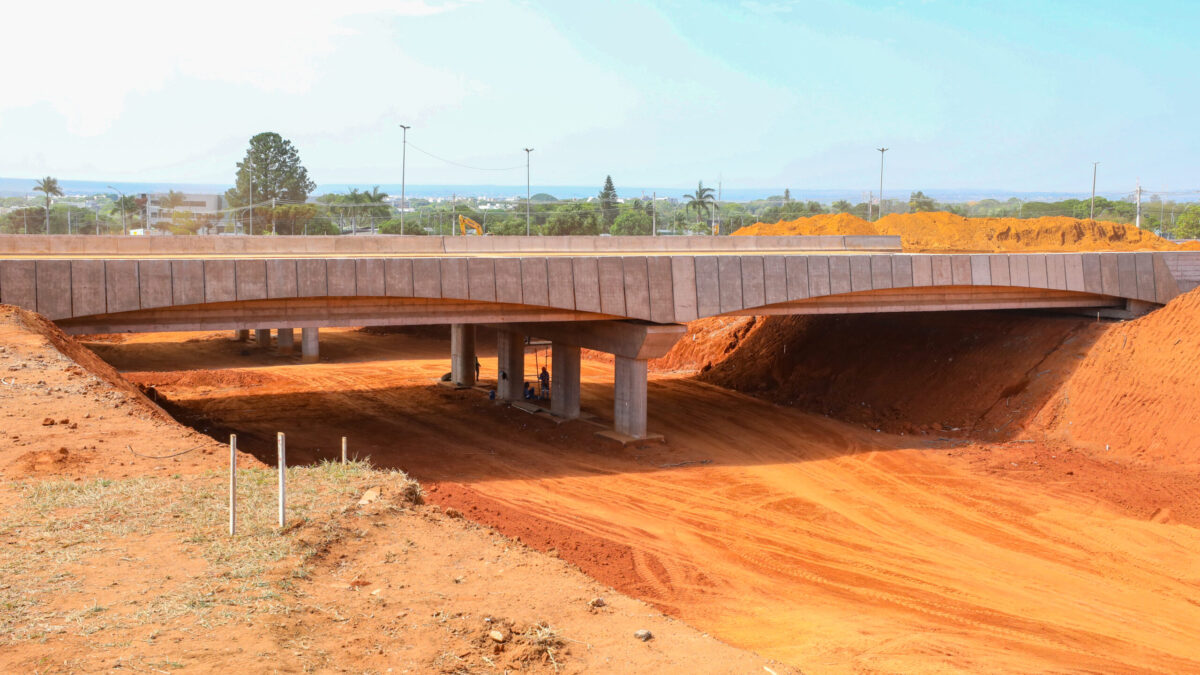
x=817 y=541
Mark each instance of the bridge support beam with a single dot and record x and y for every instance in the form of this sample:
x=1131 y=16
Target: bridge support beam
x=285 y=340
x=564 y=374
x=241 y=335
x=462 y=354
x=629 y=397
x=510 y=365
x=310 y=351
x=262 y=336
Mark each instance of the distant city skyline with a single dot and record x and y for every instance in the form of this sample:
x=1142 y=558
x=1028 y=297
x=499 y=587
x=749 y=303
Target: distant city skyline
x=1018 y=97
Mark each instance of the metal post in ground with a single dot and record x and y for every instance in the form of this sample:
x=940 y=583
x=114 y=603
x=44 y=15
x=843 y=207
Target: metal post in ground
x=232 y=484
x=282 y=459
x=343 y=449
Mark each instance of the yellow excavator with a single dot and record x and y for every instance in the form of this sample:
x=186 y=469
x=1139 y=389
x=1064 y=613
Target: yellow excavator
x=464 y=222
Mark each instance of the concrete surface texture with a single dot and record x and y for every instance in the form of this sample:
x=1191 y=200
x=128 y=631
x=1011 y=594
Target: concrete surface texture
x=137 y=295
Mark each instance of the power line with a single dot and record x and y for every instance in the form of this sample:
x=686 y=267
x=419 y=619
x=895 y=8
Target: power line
x=466 y=166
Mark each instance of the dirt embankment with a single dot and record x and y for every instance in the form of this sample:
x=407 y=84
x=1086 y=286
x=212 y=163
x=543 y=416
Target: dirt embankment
x=942 y=232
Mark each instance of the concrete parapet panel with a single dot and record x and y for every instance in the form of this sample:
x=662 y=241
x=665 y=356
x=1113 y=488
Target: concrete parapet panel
x=87 y=288
x=922 y=269
x=872 y=242
x=1001 y=273
x=1092 y=282
x=1144 y=265
x=341 y=277
x=960 y=270
x=155 y=281
x=754 y=291
x=729 y=280
x=612 y=286
x=774 y=279
x=54 y=289
x=1056 y=271
x=981 y=270
x=586 y=275
x=1018 y=269
x=637 y=287
x=427 y=278
x=708 y=286
x=662 y=292
x=312 y=278
x=251 y=279
x=122 y=293
x=1110 y=275
x=828 y=275
x=860 y=273
x=534 y=288
x=481 y=279
x=454 y=278
x=828 y=242
x=1038 y=276
x=369 y=277
x=187 y=282
x=398 y=277
x=881 y=271
x=943 y=270
x=508 y=280
x=1165 y=286
x=1073 y=264
x=796 y=268
x=902 y=271
x=683 y=288
x=281 y=278
x=1127 y=275
x=572 y=283
x=18 y=283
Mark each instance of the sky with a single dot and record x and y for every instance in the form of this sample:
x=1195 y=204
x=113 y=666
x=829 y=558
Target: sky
x=757 y=93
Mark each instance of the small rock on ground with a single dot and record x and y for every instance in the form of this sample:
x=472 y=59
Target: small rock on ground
x=644 y=635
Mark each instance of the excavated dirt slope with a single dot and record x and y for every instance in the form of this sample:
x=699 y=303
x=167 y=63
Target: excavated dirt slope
x=941 y=231
x=825 y=544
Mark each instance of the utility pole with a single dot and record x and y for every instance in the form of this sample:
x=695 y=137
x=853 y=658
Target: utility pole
x=453 y=198
x=403 y=169
x=124 y=228
x=272 y=215
x=1138 y=201
x=1092 y=213
x=654 y=214
x=250 y=161
x=881 y=151
x=527 y=220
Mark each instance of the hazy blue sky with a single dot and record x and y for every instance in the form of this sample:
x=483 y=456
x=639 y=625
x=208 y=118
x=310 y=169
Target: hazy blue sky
x=1007 y=95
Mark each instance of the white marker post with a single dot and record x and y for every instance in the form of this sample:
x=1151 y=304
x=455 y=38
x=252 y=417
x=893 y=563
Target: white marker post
x=232 y=484
x=282 y=454
x=343 y=449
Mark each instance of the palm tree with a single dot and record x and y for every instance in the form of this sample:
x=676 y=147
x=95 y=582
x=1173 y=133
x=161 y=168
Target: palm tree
x=49 y=186
x=702 y=201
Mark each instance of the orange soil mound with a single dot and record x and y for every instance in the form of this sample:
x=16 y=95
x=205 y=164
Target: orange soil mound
x=941 y=231
x=1135 y=393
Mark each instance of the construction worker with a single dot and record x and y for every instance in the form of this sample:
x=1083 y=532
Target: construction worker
x=527 y=392
x=476 y=370
x=544 y=379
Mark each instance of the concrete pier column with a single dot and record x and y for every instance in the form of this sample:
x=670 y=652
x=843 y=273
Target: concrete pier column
x=241 y=335
x=285 y=340
x=510 y=365
x=310 y=350
x=462 y=354
x=629 y=397
x=262 y=336
x=564 y=380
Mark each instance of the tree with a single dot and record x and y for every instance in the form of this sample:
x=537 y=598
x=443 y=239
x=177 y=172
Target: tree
x=608 y=202
x=917 y=201
x=701 y=201
x=574 y=218
x=842 y=206
x=787 y=195
x=273 y=165
x=1187 y=226
x=634 y=221
x=48 y=186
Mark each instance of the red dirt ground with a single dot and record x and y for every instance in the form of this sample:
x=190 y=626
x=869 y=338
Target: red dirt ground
x=825 y=544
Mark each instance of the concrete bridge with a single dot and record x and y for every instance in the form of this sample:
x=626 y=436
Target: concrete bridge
x=623 y=295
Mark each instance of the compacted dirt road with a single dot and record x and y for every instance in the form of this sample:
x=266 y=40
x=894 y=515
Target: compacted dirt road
x=827 y=546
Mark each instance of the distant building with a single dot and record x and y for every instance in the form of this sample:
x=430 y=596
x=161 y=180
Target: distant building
x=157 y=215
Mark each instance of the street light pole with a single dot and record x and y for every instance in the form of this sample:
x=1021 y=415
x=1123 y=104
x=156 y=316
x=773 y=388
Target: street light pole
x=250 y=161
x=527 y=151
x=1092 y=210
x=124 y=228
x=403 y=168
x=880 y=212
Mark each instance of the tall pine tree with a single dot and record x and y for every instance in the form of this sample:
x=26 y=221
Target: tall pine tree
x=608 y=202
